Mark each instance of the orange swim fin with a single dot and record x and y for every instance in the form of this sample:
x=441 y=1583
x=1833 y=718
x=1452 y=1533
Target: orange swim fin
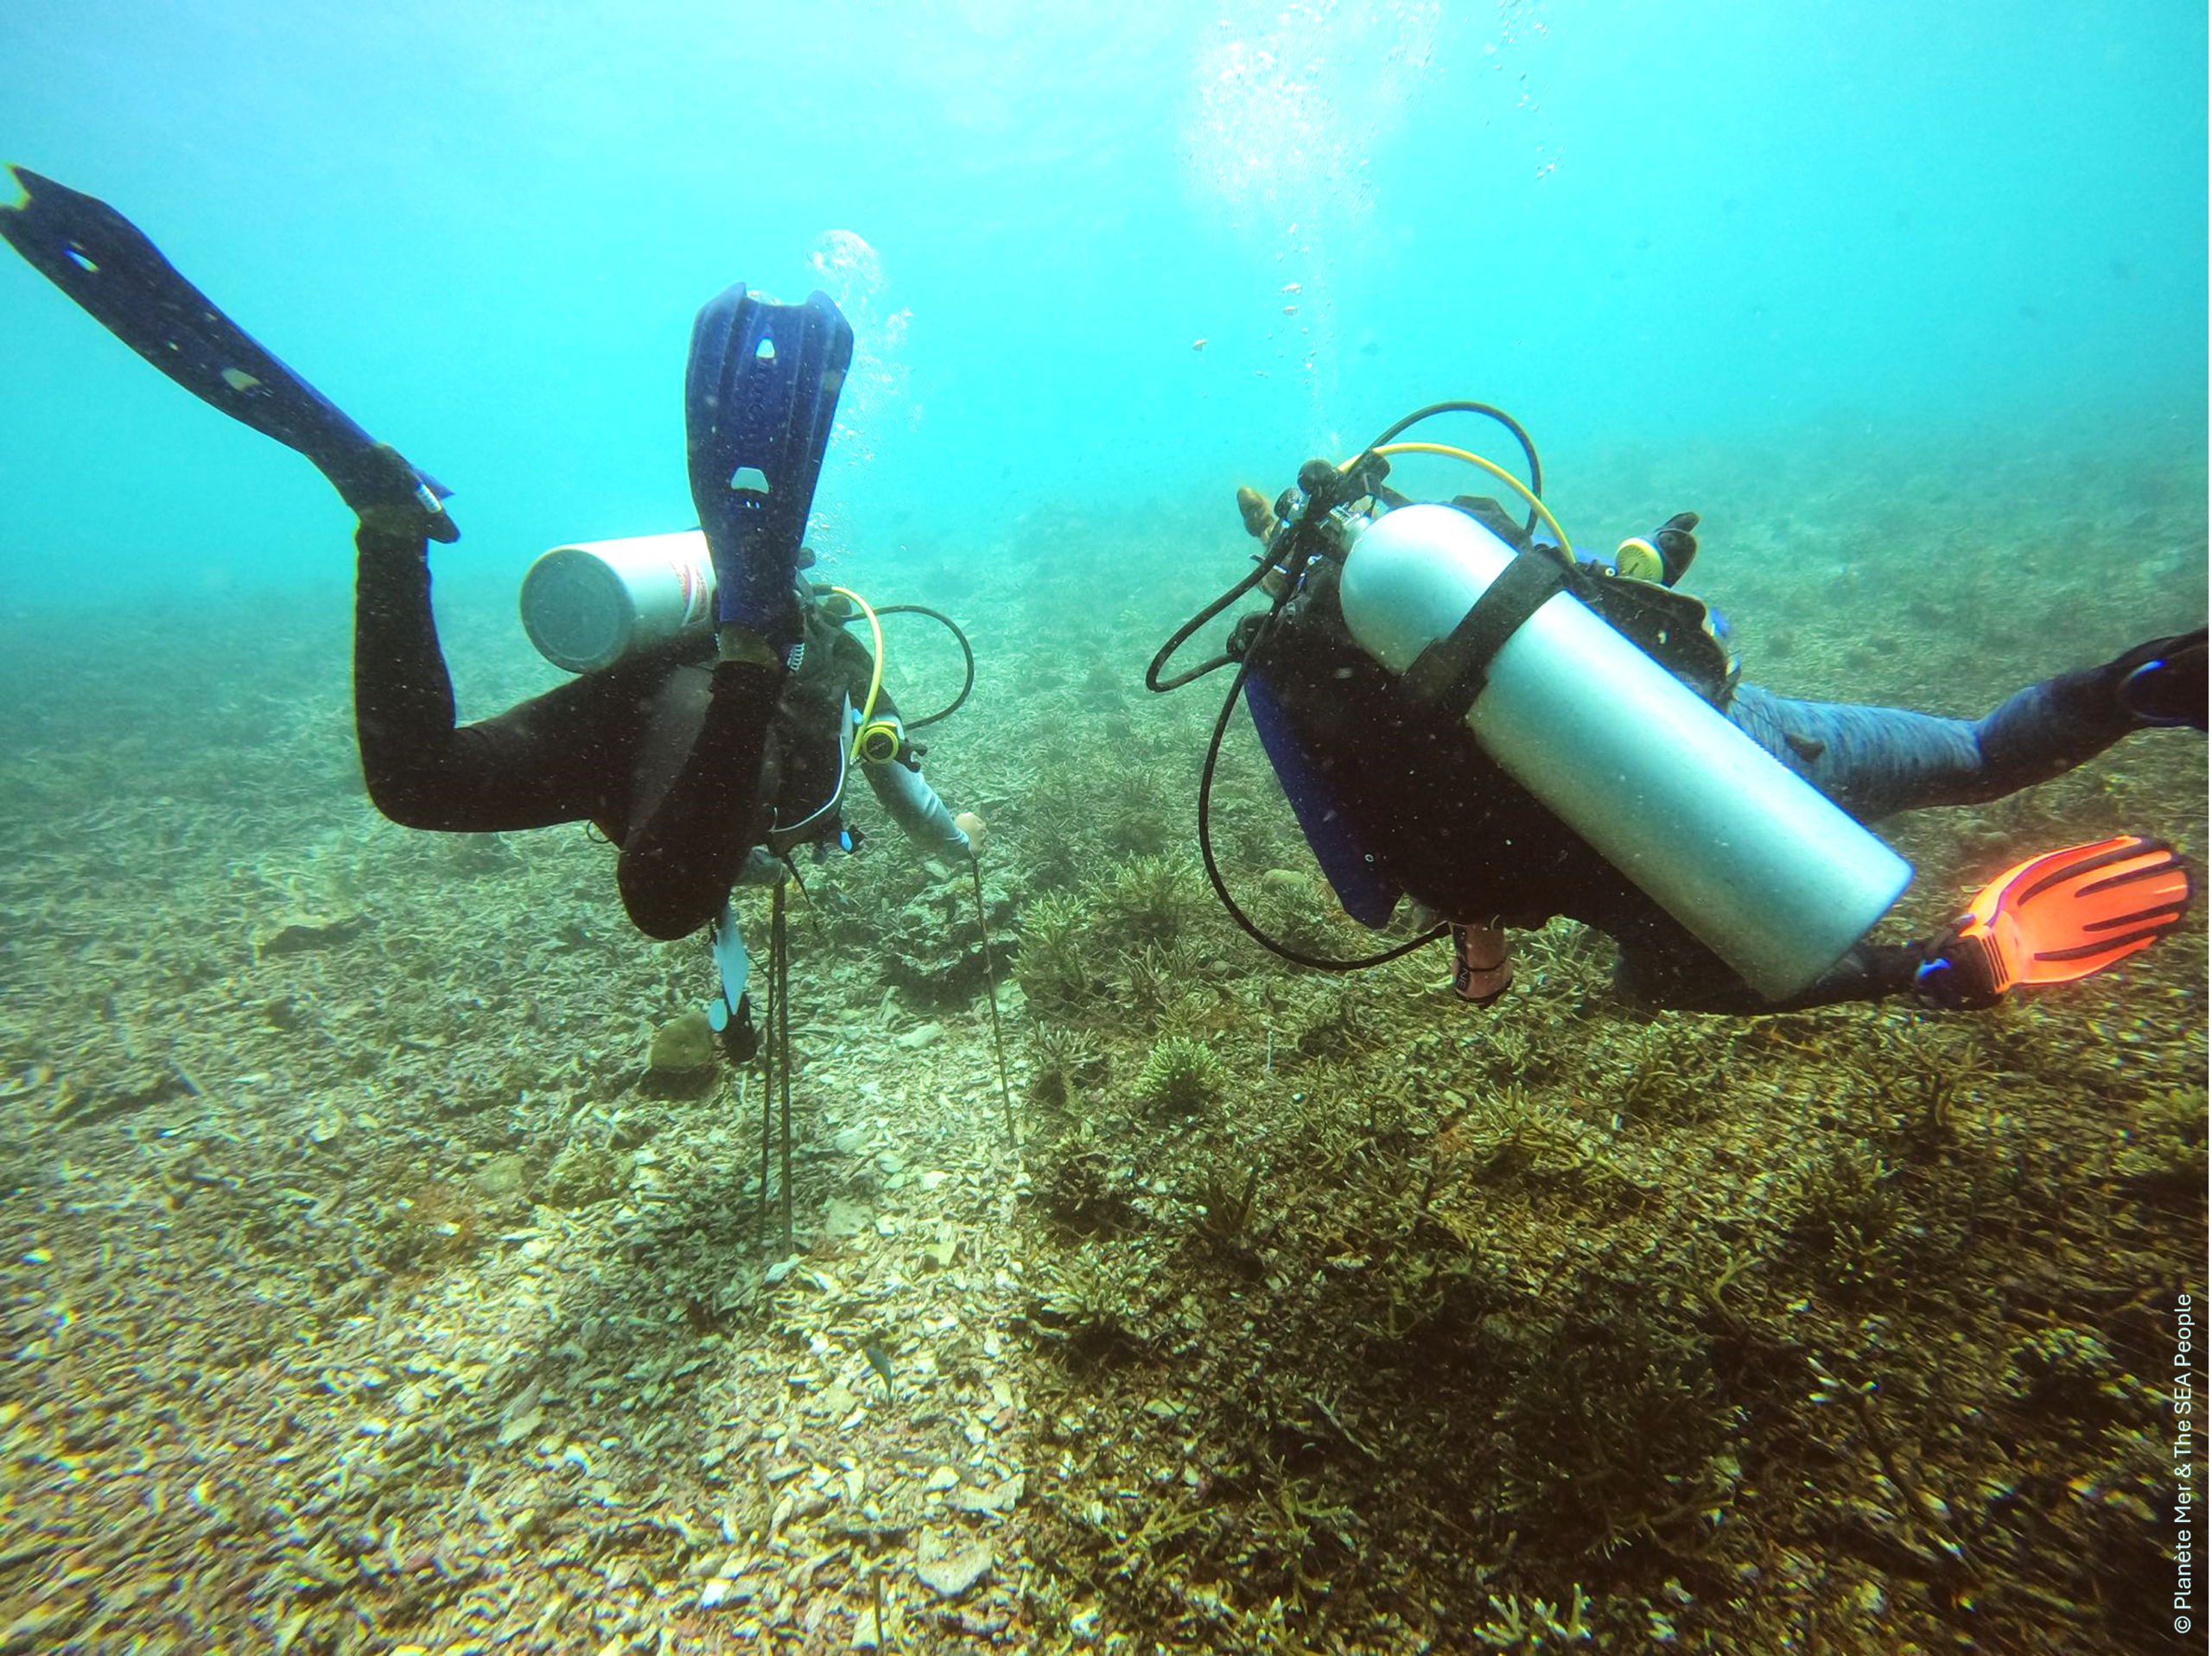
x=2058 y=918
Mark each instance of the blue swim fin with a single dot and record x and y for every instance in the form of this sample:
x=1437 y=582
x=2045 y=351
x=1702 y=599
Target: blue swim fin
x=760 y=398
x=104 y=263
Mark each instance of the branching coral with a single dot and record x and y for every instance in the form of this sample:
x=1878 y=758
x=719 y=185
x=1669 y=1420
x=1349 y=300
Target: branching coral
x=1158 y=979
x=1077 y=1183
x=1668 y=1075
x=1093 y=1297
x=1929 y=1080
x=1145 y=900
x=1181 y=1074
x=2165 y=1155
x=1066 y=1058
x=1844 y=1210
x=1052 y=964
x=1622 y=1410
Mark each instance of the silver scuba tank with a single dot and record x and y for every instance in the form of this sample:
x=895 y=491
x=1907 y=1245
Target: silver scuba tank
x=1759 y=866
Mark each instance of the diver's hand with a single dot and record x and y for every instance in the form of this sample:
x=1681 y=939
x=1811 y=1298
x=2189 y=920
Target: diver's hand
x=1664 y=555
x=393 y=498
x=1677 y=544
x=2163 y=682
x=733 y=643
x=1259 y=517
x=972 y=826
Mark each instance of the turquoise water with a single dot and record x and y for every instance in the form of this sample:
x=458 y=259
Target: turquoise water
x=365 y=1289
x=1841 y=228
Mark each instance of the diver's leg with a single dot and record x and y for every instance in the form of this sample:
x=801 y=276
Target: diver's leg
x=678 y=863
x=562 y=757
x=1876 y=761
x=1662 y=966
x=1687 y=983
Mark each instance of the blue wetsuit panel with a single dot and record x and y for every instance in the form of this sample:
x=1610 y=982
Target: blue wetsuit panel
x=1367 y=892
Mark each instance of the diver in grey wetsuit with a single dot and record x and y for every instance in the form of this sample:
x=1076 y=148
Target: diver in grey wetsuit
x=1422 y=801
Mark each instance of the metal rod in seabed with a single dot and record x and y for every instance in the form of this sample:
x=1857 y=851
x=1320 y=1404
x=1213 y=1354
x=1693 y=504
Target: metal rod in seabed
x=991 y=983
x=780 y=968
x=767 y=1056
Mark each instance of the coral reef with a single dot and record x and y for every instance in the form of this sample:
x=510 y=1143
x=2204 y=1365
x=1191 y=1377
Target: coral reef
x=930 y=946
x=683 y=1056
x=1054 y=963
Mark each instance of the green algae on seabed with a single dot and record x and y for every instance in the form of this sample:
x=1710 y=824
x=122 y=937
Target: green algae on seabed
x=1497 y=1331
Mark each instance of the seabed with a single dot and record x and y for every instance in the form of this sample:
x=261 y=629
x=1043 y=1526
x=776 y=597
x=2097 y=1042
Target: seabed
x=365 y=1292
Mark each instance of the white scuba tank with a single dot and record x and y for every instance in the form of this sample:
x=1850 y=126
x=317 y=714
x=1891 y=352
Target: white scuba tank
x=1760 y=866
x=587 y=605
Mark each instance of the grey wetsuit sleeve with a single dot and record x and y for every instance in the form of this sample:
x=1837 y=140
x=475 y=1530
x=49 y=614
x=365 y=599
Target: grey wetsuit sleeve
x=913 y=804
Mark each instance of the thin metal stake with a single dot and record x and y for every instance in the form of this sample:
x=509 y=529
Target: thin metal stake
x=766 y=1058
x=744 y=1079
x=991 y=982
x=779 y=951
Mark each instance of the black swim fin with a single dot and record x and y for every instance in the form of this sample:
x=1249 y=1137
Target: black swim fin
x=759 y=399
x=104 y=263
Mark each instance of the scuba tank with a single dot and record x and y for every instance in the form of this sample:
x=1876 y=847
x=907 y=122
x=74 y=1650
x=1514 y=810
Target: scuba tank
x=1760 y=866
x=587 y=605
x=1477 y=621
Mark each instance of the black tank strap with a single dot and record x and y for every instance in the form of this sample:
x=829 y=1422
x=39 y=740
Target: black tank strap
x=1449 y=675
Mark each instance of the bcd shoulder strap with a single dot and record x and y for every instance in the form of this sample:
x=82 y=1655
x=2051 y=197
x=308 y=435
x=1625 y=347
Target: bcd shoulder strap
x=1448 y=675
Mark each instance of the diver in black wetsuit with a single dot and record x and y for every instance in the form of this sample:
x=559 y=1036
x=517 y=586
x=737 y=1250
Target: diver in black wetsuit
x=685 y=762
x=709 y=760
x=1399 y=799
x=705 y=760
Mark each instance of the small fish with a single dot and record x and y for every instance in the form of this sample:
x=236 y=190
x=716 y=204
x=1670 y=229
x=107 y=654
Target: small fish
x=881 y=1363
x=1290 y=287
x=1198 y=345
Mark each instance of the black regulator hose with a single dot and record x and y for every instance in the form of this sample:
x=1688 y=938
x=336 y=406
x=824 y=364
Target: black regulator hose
x=1245 y=923
x=1325 y=487
x=1159 y=685
x=967 y=656
x=1528 y=447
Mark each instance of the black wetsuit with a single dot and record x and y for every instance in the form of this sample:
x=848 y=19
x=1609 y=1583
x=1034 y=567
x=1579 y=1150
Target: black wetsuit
x=674 y=756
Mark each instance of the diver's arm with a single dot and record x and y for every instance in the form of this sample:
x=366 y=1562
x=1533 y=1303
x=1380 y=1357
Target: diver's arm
x=914 y=805
x=900 y=788
x=545 y=761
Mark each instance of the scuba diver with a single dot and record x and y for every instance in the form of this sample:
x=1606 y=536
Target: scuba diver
x=1465 y=713
x=709 y=751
